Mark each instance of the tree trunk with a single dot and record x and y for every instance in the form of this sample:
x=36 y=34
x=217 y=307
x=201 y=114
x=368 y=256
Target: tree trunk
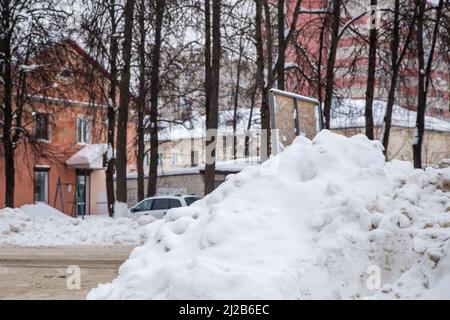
x=141 y=103
x=213 y=112
x=396 y=61
x=336 y=19
x=154 y=88
x=121 y=162
x=425 y=66
x=422 y=93
x=281 y=46
x=389 y=108
x=370 y=91
x=395 y=43
x=266 y=137
x=6 y=74
x=320 y=60
x=236 y=98
x=260 y=83
x=249 y=124
x=110 y=163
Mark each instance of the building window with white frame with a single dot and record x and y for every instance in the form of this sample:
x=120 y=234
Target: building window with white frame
x=83 y=131
x=174 y=158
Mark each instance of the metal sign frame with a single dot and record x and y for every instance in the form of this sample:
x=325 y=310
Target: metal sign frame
x=296 y=97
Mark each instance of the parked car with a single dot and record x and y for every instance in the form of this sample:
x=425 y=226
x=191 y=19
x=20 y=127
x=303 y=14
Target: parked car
x=158 y=206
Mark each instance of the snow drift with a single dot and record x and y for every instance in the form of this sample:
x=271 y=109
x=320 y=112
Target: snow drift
x=333 y=210
x=41 y=225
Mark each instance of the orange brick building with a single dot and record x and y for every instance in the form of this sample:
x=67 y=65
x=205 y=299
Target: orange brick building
x=65 y=113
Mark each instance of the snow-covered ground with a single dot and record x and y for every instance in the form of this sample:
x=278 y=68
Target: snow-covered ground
x=41 y=225
x=322 y=227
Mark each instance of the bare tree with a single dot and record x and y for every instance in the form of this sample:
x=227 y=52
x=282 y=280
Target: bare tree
x=154 y=90
x=100 y=25
x=402 y=28
x=237 y=91
x=141 y=103
x=371 y=70
x=212 y=89
x=335 y=26
x=121 y=161
x=425 y=58
x=281 y=45
x=260 y=74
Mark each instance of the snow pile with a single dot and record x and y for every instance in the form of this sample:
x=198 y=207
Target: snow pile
x=332 y=217
x=41 y=225
x=120 y=210
x=42 y=211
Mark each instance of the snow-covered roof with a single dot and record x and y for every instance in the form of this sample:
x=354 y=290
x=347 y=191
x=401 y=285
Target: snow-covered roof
x=196 y=127
x=221 y=166
x=349 y=113
x=90 y=157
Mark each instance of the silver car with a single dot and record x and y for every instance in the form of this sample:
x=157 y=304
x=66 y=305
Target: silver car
x=158 y=206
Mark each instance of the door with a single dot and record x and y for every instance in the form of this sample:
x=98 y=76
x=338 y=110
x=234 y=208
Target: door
x=41 y=186
x=162 y=205
x=82 y=193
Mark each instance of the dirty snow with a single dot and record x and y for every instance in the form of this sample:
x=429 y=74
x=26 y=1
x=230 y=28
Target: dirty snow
x=41 y=225
x=333 y=211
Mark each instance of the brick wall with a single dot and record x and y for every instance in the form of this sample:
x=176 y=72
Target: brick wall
x=172 y=184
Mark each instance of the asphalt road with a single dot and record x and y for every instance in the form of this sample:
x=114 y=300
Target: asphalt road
x=42 y=273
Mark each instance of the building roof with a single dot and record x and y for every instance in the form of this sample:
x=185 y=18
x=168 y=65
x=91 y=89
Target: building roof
x=83 y=53
x=195 y=128
x=229 y=166
x=349 y=113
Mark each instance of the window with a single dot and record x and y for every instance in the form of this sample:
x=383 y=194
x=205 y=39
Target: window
x=174 y=158
x=194 y=158
x=83 y=131
x=42 y=131
x=224 y=148
x=174 y=203
x=66 y=74
x=191 y=200
x=147 y=159
x=160 y=204
x=40 y=185
x=143 y=206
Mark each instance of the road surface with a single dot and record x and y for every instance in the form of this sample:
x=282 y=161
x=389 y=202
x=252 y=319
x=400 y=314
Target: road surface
x=42 y=273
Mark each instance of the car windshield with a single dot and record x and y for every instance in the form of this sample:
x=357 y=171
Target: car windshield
x=191 y=200
x=143 y=206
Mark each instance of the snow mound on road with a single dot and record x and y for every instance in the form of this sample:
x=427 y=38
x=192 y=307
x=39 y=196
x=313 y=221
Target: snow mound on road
x=332 y=216
x=42 y=211
x=41 y=225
